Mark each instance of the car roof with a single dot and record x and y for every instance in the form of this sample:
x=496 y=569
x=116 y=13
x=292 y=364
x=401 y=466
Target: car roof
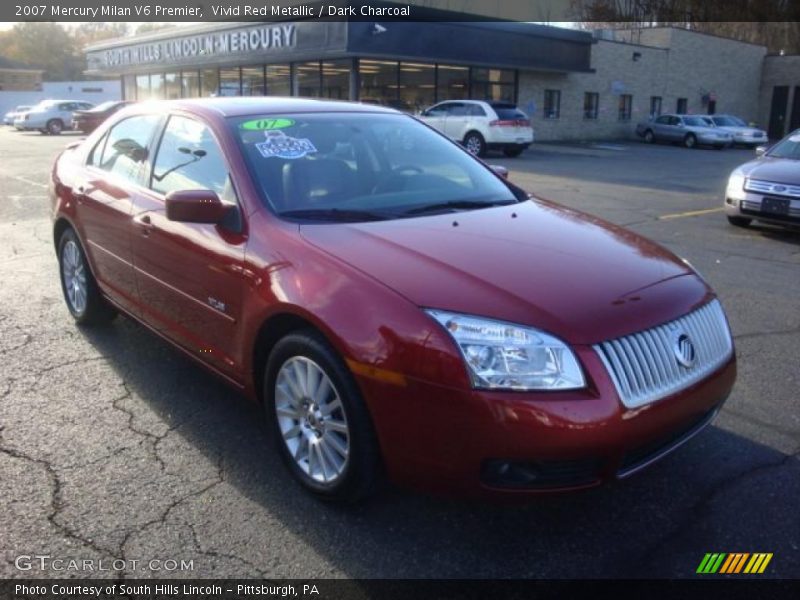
x=260 y=105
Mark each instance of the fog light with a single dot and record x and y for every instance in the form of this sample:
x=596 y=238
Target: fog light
x=503 y=473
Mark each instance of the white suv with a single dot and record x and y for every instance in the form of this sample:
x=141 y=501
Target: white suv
x=482 y=126
x=50 y=116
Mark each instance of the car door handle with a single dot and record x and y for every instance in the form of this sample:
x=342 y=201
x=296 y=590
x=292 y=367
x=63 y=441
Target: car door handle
x=144 y=223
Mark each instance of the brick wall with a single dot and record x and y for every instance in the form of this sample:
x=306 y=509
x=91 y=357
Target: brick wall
x=671 y=63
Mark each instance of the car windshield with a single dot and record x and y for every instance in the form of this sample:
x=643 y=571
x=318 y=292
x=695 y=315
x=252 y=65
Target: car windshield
x=728 y=122
x=104 y=105
x=695 y=121
x=788 y=147
x=362 y=166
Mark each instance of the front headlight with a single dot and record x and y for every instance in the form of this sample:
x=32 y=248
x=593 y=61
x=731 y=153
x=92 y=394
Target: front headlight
x=505 y=356
x=736 y=186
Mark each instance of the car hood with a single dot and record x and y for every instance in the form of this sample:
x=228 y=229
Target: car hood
x=534 y=263
x=779 y=170
x=740 y=130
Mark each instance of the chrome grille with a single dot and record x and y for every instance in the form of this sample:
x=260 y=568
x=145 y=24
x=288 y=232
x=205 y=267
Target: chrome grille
x=769 y=187
x=755 y=206
x=646 y=366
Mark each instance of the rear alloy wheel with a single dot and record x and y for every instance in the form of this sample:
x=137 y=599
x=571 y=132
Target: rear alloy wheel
x=690 y=141
x=84 y=301
x=649 y=137
x=740 y=221
x=475 y=144
x=55 y=127
x=323 y=429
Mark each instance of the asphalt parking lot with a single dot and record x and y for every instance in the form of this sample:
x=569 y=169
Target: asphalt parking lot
x=114 y=446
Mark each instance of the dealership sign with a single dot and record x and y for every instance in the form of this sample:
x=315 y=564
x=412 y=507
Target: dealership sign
x=264 y=38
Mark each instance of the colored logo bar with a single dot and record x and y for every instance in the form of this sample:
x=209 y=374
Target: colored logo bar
x=733 y=563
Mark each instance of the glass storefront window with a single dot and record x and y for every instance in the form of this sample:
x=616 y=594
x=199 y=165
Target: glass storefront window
x=453 y=83
x=157 y=86
x=417 y=86
x=230 y=83
x=253 y=81
x=172 y=86
x=129 y=87
x=143 y=87
x=336 y=79
x=190 y=84
x=308 y=79
x=279 y=79
x=493 y=84
x=379 y=82
x=209 y=82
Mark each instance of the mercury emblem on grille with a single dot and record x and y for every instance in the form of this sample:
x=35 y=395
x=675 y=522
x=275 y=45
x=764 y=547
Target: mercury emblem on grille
x=684 y=350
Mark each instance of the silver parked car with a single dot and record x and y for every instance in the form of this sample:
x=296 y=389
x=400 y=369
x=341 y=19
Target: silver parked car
x=50 y=116
x=767 y=188
x=690 y=130
x=8 y=118
x=742 y=133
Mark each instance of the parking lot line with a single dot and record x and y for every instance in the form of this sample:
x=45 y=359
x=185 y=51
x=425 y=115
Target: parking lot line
x=691 y=213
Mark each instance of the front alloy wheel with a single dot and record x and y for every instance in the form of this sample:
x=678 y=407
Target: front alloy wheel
x=312 y=420
x=322 y=427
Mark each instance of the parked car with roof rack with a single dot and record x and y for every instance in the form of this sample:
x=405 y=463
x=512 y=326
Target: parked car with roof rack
x=481 y=126
x=768 y=188
x=689 y=130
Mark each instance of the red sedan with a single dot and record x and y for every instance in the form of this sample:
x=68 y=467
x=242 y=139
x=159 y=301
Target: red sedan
x=396 y=306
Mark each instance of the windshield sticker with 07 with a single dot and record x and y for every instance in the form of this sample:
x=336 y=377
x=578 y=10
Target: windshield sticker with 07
x=279 y=145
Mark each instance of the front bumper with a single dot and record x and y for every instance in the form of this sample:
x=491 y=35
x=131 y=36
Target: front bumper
x=448 y=440
x=713 y=140
x=749 y=205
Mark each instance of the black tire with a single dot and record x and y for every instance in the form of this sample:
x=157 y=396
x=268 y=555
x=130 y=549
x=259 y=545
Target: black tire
x=55 y=126
x=513 y=151
x=740 y=221
x=690 y=141
x=96 y=310
x=361 y=472
x=649 y=137
x=475 y=144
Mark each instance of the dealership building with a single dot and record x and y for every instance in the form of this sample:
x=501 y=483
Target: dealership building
x=574 y=84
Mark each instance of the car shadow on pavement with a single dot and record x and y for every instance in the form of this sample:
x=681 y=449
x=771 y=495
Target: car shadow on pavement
x=659 y=523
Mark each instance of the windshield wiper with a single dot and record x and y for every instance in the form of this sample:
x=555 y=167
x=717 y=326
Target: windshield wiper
x=335 y=215
x=455 y=205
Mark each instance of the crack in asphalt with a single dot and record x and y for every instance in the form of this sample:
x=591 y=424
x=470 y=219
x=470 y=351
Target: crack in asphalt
x=153 y=439
x=760 y=423
x=56 y=501
x=694 y=511
x=757 y=334
x=161 y=520
x=40 y=373
x=214 y=554
x=147 y=435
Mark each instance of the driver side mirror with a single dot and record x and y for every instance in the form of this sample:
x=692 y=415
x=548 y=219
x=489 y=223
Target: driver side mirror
x=195 y=206
x=761 y=150
x=500 y=170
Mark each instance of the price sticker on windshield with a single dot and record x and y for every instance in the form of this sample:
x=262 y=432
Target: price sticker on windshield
x=267 y=124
